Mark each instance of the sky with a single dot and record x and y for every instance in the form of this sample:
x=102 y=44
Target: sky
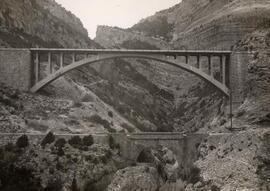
x=120 y=13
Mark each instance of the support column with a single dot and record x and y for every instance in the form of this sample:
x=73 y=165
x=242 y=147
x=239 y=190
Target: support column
x=198 y=62
x=224 y=70
x=210 y=66
x=37 y=68
x=61 y=59
x=73 y=57
x=50 y=63
x=221 y=68
x=186 y=59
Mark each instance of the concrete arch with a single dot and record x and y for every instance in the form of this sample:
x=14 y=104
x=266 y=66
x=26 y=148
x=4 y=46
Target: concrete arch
x=104 y=57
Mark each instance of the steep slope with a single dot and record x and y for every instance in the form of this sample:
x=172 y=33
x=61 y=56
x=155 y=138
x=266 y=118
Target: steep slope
x=22 y=24
x=239 y=158
x=113 y=37
x=209 y=24
x=203 y=24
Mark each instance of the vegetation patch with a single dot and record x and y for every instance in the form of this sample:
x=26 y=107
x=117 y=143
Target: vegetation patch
x=97 y=119
x=48 y=139
x=12 y=177
x=110 y=114
x=22 y=141
x=81 y=143
x=88 y=140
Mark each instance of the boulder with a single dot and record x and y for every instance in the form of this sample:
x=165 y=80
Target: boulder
x=141 y=178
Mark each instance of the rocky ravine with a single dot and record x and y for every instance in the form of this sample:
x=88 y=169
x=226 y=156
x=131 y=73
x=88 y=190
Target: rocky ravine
x=233 y=159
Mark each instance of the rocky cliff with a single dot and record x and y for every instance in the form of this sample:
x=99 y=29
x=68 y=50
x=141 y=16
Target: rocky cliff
x=205 y=24
x=23 y=24
x=113 y=37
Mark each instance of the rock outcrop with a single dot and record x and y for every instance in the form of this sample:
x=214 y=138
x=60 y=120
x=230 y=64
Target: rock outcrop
x=209 y=24
x=22 y=24
x=142 y=178
x=26 y=113
x=113 y=37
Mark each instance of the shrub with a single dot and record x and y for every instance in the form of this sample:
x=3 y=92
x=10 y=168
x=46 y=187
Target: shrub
x=48 y=139
x=75 y=141
x=60 y=152
x=97 y=119
x=88 y=140
x=60 y=143
x=107 y=126
x=110 y=114
x=22 y=141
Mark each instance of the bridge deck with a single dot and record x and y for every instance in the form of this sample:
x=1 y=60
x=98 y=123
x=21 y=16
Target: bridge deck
x=129 y=51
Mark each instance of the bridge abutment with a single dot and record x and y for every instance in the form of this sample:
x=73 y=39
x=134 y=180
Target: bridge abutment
x=15 y=68
x=238 y=76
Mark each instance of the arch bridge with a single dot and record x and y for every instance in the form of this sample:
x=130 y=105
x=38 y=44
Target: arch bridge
x=60 y=61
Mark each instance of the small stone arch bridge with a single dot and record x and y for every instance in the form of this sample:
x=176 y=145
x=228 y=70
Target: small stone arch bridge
x=81 y=57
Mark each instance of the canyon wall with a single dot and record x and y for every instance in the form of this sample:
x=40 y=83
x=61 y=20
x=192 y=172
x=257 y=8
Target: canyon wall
x=39 y=23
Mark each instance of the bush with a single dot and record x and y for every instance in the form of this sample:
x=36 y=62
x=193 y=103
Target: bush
x=60 y=143
x=110 y=114
x=88 y=140
x=48 y=139
x=97 y=119
x=75 y=141
x=22 y=141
